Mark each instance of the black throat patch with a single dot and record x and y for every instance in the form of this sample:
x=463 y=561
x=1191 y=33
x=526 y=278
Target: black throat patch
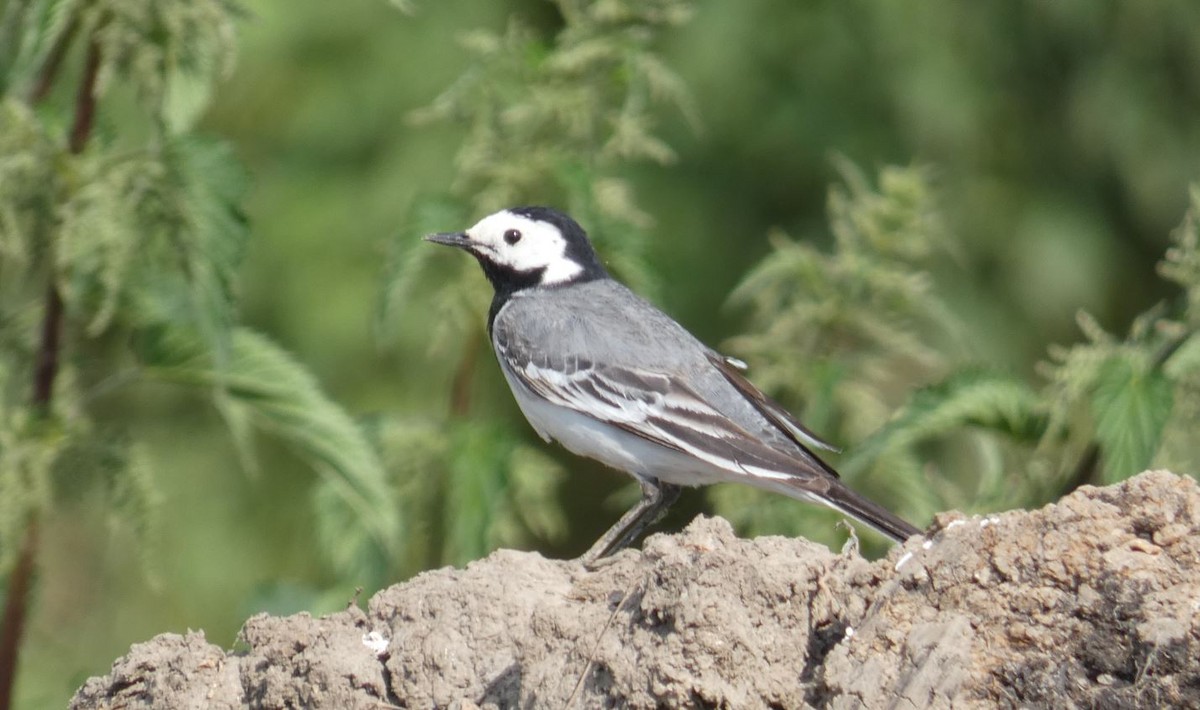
x=506 y=282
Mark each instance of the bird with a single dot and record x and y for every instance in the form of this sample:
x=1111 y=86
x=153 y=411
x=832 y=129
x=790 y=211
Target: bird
x=609 y=376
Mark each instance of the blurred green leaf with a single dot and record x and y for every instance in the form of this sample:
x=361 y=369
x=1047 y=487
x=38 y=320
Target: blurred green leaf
x=28 y=451
x=1132 y=405
x=28 y=187
x=155 y=44
x=994 y=401
x=155 y=237
x=280 y=396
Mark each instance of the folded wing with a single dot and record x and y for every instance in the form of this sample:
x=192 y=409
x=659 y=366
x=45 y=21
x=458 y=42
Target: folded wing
x=662 y=409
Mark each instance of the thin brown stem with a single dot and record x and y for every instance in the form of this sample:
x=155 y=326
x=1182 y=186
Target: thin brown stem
x=12 y=624
x=46 y=368
x=85 y=100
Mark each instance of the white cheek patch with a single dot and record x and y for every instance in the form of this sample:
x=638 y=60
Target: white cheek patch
x=541 y=246
x=560 y=270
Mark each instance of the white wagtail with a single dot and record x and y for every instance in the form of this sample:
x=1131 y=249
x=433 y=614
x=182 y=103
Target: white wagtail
x=609 y=376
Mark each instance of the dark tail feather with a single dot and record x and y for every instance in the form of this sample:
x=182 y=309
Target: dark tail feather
x=844 y=500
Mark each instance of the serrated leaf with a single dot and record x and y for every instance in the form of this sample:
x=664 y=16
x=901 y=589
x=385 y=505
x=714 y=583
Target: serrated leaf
x=155 y=238
x=280 y=396
x=105 y=226
x=210 y=233
x=351 y=547
x=1131 y=405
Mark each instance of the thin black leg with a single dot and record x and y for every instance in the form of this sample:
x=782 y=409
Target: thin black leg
x=656 y=498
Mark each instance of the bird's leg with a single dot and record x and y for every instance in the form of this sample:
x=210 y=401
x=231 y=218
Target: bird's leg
x=656 y=498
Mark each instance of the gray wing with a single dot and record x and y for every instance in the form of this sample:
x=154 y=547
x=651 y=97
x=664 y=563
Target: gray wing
x=657 y=406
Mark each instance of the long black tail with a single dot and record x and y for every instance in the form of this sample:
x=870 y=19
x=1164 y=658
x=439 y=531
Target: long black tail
x=837 y=496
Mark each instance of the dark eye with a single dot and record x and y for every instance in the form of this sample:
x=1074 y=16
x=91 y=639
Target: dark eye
x=512 y=236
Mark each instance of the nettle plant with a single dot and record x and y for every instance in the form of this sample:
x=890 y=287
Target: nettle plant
x=867 y=315
x=121 y=234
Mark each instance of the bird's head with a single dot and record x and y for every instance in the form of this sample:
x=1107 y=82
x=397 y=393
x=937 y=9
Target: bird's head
x=523 y=247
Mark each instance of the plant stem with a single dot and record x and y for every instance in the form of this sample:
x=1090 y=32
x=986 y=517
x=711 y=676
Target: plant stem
x=16 y=607
x=1168 y=349
x=13 y=621
x=46 y=368
x=85 y=100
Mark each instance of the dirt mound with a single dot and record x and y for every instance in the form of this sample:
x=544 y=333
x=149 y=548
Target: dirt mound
x=1091 y=602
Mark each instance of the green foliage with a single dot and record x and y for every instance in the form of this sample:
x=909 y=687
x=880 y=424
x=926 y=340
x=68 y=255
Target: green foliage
x=1137 y=397
x=533 y=478
x=263 y=386
x=174 y=206
x=832 y=330
x=970 y=398
x=27 y=455
x=861 y=314
x=1132 y=406
x=27 y=30
x=170 y=51
x=535 y=111
x=141 y=233
x=855 y=316
x=1121 y=399
x=27 y=188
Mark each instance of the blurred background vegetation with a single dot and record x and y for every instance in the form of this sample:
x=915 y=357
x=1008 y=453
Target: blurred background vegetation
x=953 y=239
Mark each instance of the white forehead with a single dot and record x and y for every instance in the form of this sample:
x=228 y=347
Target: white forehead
x=542 y=245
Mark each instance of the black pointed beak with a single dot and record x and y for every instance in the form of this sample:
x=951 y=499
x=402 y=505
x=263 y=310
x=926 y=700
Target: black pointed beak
x=451 y=239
